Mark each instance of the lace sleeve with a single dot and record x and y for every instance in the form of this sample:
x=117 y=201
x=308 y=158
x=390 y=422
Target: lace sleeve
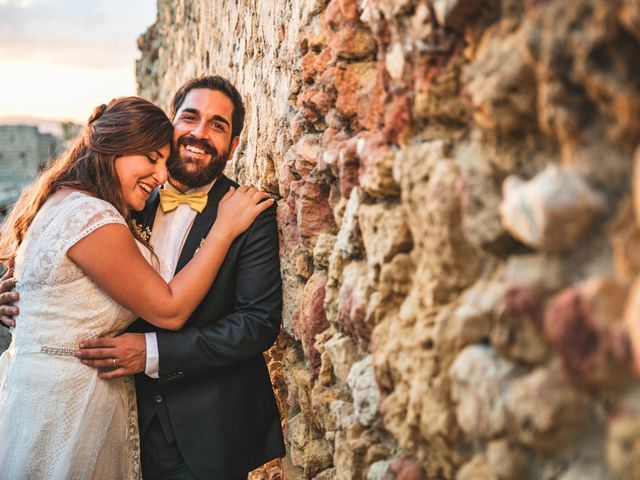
x=85 y=215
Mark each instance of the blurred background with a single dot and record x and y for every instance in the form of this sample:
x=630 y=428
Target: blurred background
x=58 y=60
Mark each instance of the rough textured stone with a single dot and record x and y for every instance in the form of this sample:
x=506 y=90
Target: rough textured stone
x=551 y=211
x=545 y=412
x=376 y=168
x=500 y=84
x=583 y=324
x=380 y=471
x=517 y=331
x=405 y=469
x=386 y=130
x=508 y=460
x=343 y=353
x=312 y=318
x=349 y=238
x=366 y=395
x=476 y=468
x=624 y=235
x=309 y=204
x=480 y=377
x=623 y=442
x=384 y=232
x=322 y=250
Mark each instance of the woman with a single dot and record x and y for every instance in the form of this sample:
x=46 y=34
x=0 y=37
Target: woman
x=84 y=273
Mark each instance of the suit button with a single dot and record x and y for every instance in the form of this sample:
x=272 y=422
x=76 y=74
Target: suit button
x=159 y=398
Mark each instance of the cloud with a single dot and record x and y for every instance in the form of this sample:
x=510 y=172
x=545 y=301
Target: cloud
x=60 y=58
x=21 y=3
x=93 y=34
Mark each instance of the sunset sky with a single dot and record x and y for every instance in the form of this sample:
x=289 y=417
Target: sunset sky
x=61 y=58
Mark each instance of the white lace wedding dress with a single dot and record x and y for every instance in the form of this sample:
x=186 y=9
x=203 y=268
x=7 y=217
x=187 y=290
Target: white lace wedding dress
x=58 y=420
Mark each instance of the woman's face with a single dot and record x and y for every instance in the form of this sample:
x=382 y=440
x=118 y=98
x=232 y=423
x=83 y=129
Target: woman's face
x=140 y=174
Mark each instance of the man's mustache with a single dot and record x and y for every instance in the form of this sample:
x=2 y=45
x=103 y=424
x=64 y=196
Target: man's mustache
x=197 y=142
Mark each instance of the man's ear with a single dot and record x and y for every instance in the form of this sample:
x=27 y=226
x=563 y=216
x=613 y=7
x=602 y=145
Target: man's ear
x=234 y=145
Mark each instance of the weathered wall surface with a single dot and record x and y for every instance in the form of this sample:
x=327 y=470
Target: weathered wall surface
x=23 y=151
x=458 y=231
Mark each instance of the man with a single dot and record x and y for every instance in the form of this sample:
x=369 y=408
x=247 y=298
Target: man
x=206 y=407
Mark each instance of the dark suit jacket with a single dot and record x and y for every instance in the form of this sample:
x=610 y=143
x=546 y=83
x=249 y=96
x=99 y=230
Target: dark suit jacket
x=214 y=389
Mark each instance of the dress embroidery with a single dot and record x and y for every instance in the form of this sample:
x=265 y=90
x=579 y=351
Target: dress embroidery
x=57 y=418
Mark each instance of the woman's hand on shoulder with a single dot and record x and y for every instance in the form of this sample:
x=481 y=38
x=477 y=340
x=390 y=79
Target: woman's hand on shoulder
x=240 y=207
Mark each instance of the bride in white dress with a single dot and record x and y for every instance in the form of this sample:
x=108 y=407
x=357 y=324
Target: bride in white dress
x=84 y=274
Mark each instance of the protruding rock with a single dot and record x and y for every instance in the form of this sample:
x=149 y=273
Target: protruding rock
x=545 y=412
x=349 y=38
x=475 y=469
x=343 y=353
x=632 y=321
x=349 y=238
x=479 y=379
x=470 y=320
x=636 y=187
x=432 y=204
x=480 y=200
x=623 y=438
x=380 y=470
x=624 y=235
x=308 y=452
x=303 y=157
x=455 y=14
x=583 y=324
x=384 y=232
x=376 y=167
x=352 y=302
x=509 y=460
x=314 y=104
x=406 y=469
x=322 y=250
x=551 y=211
x=356 y=85
x=342 y=413
x=364 y=388
x=542 y=273
x=312 y=318
x=393 y=286
x=517 y=333
x=309 y=202
x=501 y=85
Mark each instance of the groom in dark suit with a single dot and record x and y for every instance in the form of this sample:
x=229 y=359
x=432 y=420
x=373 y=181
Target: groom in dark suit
x=206 y=408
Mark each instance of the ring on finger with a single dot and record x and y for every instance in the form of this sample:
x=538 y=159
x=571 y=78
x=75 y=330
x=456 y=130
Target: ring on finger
x=115 y=364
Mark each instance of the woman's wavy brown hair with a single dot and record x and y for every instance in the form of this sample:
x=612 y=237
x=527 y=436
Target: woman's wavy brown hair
x=127 y=126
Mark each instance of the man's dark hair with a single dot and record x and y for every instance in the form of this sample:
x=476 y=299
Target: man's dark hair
x=217 y=84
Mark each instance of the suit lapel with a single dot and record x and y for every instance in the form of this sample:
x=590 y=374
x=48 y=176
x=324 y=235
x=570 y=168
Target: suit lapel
x=151 y=208
x=203 y=221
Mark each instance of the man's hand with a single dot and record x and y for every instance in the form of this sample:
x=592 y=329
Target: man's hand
x=7 y=297
x=115 y=357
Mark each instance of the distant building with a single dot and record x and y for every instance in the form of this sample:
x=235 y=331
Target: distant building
x=23 y=152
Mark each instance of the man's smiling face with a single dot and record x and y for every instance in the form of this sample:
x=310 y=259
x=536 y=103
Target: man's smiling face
x=202 y=138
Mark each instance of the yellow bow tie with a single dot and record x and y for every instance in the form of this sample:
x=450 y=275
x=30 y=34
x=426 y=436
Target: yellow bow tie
x=170 y=199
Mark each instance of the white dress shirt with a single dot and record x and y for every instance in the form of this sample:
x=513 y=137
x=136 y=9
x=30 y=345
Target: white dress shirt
x=167 y=239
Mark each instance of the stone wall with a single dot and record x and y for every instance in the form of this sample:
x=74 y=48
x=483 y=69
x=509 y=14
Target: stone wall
x=458 y=233
x=23 y=150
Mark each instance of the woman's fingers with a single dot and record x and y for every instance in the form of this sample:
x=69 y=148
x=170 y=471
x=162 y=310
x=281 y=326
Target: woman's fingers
x=262 y=206
x=254 y=197
x=228 y=195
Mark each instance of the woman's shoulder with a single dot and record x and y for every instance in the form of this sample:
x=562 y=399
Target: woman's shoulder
x=78 y=199
x=80 y=208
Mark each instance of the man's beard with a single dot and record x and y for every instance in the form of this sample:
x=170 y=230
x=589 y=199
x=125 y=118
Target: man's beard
x=203 y=173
